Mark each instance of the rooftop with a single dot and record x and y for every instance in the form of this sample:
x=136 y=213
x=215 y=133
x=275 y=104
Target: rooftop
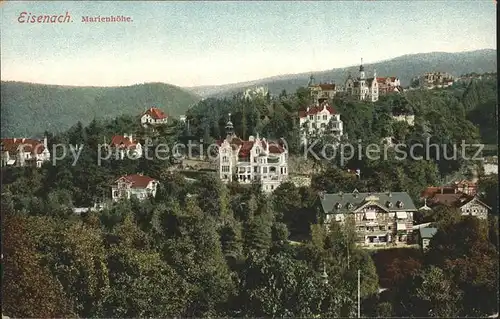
x=347 y=202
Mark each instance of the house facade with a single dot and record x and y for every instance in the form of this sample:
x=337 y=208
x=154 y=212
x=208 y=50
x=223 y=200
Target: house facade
x=469 y=205
x=126 y=146
x=431 y=80
x=153 y=116
x=362 y=88
x=321 y=92
x=388 y=85
x=408 y=119
x=425 y=235
x=257 y=92
x=24 y=152
x=136 y=185
x=380 y=219
x=320 y=119
x=255 y=160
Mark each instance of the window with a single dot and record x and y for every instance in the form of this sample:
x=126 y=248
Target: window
x=225 y=169
x=325 y=117
x=225 y=159
x=311 y=117
x=264 y=170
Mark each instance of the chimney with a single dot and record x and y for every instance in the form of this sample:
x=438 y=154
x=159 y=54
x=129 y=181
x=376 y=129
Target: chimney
x=23 y=140
x=307 y=110
x=15 y=139
x=130 y=138
x=45 y=144
x=442 y=190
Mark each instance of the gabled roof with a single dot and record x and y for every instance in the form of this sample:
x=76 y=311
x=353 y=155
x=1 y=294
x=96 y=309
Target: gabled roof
x=427 y=232
x=122 y=141
x=356 y=200
x=136 y=180
x=246 y=146
x=14 y=145
x=451 y=200
x=314 y=109
x=429 y=192
x=155 y=113
x=326 y=86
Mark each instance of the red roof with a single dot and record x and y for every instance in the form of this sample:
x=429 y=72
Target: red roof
x=327 y=86
x=452 y=200
x=429 y=192
x=122 y=141
x=246 y=146
x=383 y=80
x=156 y=113
x=316 y=109
x=137 y=180
x=13 y=145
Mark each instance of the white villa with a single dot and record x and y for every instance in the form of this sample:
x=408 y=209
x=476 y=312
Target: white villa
x=24 y=152
x=364 y=89
x=318 y=120
x=409 y=119
x=252 y=93
x=153 y=116
x=380 y=218
x=255 y=160
x=136 y=185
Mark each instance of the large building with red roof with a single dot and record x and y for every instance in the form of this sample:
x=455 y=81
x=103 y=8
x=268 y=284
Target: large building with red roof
x=24 y=152
x=153 y=116
x=254 y=160
x=320 y=119
x=136 y=185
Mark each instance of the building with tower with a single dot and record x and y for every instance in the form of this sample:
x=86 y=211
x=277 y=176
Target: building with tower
x=362 y=88
x=321 y=92
x=254 y=161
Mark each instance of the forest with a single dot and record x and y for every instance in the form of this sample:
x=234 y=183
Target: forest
x=205 y=249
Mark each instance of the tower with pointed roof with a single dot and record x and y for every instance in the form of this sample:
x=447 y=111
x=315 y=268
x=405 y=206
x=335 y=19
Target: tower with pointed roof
x=311 y=81
x=229 y=128
x=361 y=70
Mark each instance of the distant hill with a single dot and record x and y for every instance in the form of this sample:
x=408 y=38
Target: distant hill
x=405 y=67
x=29 y=109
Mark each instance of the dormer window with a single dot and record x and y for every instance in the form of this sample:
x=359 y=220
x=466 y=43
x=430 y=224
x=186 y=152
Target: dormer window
x=389 y=204
x=338 y=206
x=399 y=204
x=349 y=205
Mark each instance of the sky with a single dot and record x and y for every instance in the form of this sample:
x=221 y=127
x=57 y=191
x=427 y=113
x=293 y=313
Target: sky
x=211 y=43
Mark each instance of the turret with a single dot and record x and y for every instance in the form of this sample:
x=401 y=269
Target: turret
x=229 y=128
x=361 y=70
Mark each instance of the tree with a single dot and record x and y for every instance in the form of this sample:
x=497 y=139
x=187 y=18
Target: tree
x=440 y=296
x=465 y=253
x=279 y=286
x=77 y=258
x=29 y=290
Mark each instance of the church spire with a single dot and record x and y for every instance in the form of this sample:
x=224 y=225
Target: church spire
x=361 y=70
x=311 y=80
x=229 y=127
